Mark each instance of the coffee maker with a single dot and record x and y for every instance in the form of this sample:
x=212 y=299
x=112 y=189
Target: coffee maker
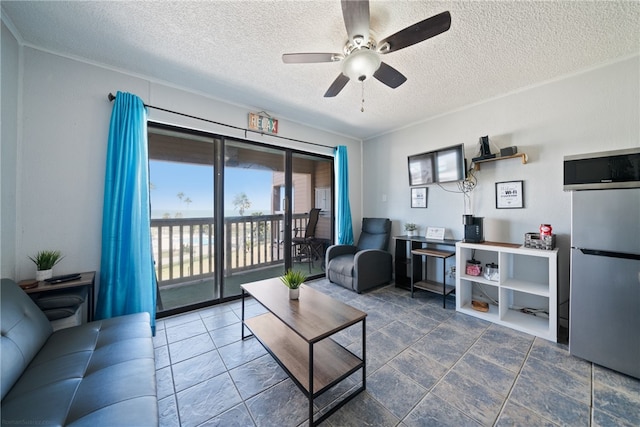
x=473 y=229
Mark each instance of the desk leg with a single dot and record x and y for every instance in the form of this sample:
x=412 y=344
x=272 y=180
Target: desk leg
x=90 y=305
x=242 y=335
x=444 y=285
x=364 y=353
x=411 y=269
x=311 y=422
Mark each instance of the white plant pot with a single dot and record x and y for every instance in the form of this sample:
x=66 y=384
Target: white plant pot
x=44 y=274
x=294 y=293
x=411 y=233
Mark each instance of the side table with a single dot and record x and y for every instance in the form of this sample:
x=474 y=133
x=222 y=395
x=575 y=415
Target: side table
x=404 y=267
x=86 y=279
x=429 y=285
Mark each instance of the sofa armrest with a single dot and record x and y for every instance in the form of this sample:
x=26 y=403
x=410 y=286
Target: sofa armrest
x=372 y=267
x=337 y=250
x=369 y=257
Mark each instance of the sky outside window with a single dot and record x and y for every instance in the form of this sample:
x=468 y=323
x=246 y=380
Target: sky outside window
x=195 y=183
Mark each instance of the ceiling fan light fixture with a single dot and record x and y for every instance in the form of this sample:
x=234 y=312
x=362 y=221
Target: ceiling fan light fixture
x=360 y=64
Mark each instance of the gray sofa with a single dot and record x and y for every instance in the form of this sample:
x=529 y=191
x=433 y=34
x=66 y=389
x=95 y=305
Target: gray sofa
x=366 y=265
x=97 y=374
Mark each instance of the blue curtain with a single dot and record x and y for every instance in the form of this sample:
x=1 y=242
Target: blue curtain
x=127 y=280
x=345 y=229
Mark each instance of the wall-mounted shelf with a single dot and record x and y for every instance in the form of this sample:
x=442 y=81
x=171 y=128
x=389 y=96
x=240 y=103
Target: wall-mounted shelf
x=523 y=156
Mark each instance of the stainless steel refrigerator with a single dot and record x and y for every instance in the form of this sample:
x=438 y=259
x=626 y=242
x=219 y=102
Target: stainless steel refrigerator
x=604 y=325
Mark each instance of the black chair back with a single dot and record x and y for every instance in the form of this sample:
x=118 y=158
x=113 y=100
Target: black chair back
x=310 y=231
x=375 y=234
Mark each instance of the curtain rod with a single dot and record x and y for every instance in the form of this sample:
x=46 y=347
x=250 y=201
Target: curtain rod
x=112 y=97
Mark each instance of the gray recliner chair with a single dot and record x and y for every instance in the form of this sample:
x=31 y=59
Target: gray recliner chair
x=366 y=265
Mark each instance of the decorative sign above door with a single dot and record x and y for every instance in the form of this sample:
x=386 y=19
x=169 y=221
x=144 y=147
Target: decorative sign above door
x=263 y=124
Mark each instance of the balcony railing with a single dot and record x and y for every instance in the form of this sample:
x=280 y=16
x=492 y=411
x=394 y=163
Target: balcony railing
x=183 y=248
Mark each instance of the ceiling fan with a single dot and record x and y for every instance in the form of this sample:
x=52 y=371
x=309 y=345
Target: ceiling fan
x=361 y=57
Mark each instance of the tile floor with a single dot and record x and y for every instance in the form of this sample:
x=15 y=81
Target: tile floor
x=426 y=366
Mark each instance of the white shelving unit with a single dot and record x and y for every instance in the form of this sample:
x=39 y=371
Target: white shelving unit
x=528 y=279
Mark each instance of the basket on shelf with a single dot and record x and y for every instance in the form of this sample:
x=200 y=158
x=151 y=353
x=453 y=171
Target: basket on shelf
x=535 y=241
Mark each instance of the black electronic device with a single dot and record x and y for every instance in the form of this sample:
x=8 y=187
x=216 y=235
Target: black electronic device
x=473 y=229
x=63 y=278
x=443 y=165
x=604 y=170
x=485 y=150
x=508 y=151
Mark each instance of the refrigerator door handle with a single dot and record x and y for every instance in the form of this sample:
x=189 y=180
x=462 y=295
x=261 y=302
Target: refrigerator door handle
x=610 y=254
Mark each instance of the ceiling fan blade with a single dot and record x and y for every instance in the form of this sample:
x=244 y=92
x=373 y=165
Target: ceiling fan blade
x=417 y=33
x=336 y=86
x=389 y=75
x=306 y=58
x=356 y=18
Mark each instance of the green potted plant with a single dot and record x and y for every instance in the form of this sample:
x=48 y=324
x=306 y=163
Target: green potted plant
x=44 y=261
x=410 y=228
x=292 y=280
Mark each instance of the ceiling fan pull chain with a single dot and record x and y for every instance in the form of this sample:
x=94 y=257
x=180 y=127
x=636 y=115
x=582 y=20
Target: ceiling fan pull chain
x=362 y=103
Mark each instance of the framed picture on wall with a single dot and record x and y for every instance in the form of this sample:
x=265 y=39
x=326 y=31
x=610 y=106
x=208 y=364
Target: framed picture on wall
x=419 y=197
x=509 y=195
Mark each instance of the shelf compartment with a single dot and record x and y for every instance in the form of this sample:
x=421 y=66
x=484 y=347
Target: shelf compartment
x=470 y=290
x=479 y=279
x=535 y=325
x=332 y=362
x=526 y=268
x=435 y=287
x=528 y=278
x=527 y=287
x=491 y=315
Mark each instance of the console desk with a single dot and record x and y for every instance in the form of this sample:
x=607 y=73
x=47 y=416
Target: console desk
x=408 y=247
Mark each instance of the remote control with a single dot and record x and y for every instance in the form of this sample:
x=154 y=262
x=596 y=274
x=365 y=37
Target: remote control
x=63 y=278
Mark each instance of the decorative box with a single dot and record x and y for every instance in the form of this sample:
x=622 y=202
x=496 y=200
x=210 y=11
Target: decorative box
x=535 y=241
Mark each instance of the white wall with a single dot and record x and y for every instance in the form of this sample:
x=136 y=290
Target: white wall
x=8 y=151
x=62 y=151
x=592 y=111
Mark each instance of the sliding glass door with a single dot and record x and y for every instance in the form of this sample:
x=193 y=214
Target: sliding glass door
x=227 y=212
x=182 y=174
x=311 y=188
x=254 y=214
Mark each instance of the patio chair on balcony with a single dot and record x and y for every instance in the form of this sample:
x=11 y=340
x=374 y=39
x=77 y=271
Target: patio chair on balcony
x=304 y=247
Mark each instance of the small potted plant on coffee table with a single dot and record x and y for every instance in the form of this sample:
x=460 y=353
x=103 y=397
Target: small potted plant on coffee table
x=292 y=280
x=44 y=261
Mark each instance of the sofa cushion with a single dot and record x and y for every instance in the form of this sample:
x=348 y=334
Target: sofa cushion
x=23 y=331
x=99 y=373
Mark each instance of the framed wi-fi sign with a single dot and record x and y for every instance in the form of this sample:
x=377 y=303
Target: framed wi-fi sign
x=509 y=195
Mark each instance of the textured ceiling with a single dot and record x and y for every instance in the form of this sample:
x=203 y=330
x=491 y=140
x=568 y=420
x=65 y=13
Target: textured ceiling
x=231 y=50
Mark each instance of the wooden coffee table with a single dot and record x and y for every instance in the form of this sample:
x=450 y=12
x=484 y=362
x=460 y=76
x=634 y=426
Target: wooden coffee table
x=297 y=334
